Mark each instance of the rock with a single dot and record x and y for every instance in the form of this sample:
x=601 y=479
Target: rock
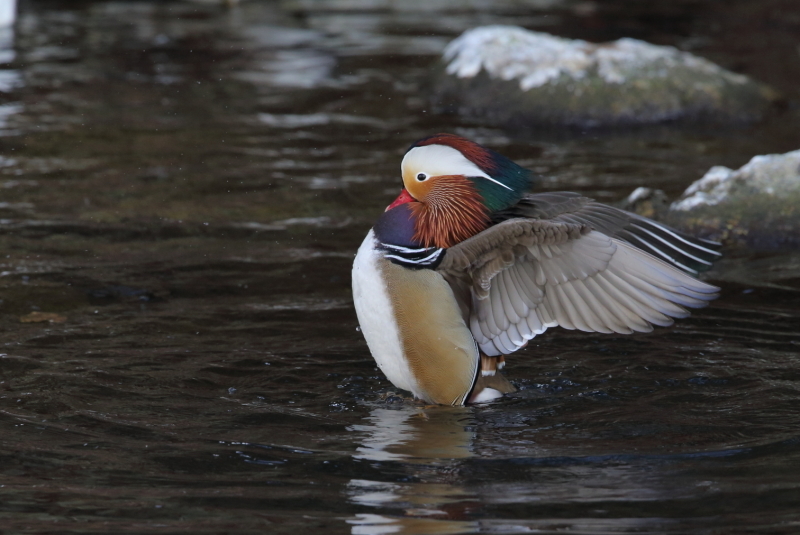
x=647 y=202
x=511 y=76
x=757 y=205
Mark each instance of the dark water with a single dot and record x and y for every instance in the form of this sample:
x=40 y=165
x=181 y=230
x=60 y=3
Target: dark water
x=183 y=188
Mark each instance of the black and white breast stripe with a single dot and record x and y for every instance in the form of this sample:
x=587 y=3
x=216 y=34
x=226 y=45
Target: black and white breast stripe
x=422 y=258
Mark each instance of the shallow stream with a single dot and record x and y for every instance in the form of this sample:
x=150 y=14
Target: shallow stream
x=182 y=189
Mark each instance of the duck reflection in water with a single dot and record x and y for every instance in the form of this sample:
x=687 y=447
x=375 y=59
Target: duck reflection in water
x=427 y=444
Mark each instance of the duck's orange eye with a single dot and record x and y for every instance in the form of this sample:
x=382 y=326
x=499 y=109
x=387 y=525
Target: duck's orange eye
x=422 y=177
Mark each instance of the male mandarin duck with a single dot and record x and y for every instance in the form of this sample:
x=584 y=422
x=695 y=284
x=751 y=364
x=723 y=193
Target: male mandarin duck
x=467 y=265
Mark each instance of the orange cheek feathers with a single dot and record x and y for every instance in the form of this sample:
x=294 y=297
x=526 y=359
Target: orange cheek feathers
x=418 y=190
x=450 y=212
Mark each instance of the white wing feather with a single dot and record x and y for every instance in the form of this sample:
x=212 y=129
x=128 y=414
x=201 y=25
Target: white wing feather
x=525 y=280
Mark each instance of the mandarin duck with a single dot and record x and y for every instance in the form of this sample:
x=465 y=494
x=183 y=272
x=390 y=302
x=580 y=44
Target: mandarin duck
x=467 y=265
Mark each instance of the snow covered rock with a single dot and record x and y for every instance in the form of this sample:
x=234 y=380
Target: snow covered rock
x=756 y=205
x=509 y=75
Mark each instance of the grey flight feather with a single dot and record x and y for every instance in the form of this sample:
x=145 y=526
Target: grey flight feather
x=686 y=252
x=525 y=275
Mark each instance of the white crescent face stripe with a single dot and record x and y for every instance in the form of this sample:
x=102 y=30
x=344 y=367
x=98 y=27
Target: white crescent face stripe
x=439 y=160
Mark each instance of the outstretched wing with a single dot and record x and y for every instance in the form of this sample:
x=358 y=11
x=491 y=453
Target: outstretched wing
x=525 y=275
x=689 y=253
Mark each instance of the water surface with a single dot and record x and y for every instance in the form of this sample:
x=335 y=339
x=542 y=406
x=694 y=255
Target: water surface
x=182 y=190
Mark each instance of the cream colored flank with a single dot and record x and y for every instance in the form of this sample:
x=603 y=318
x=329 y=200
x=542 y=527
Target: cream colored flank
x=438 y=346
x=414 y=328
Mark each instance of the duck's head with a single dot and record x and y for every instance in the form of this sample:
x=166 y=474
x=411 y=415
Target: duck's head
x=454 y=185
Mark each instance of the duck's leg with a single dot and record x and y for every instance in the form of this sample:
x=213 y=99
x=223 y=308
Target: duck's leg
x=490 y=384
x=490 y=365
